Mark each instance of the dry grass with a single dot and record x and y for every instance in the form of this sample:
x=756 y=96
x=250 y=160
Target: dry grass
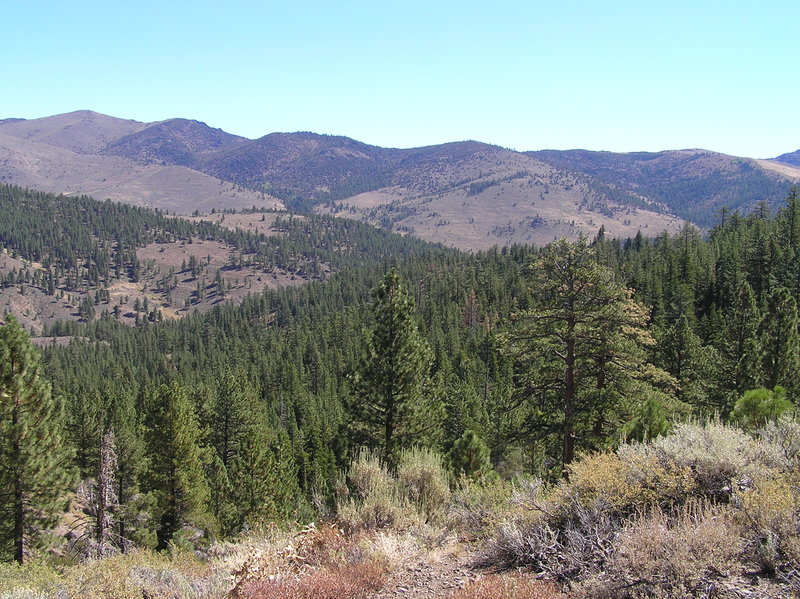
x=422 y=481
x=349 y=581
x=433 y=202
x=718 y=458
x=130 y=576
x=36 y=309
x=476 y=508
x=669 y=518
x=508 y=586
x=372 y=499
x=662 y=555
x=623 y=483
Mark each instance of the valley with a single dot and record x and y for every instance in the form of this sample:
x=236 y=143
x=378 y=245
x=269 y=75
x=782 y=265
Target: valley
x=458 y=371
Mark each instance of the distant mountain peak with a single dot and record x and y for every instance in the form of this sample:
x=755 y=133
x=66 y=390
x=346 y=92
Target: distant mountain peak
x=792 y=158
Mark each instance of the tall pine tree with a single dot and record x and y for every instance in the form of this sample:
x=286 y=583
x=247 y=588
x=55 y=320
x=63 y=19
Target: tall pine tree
x=576 y=348
x=780 y=343
x=176 y=476
x=35 y=464
x=391 y=406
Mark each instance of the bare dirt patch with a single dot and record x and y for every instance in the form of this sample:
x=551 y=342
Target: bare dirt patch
x=30 y=304
x=436 y=574
x=252 y=222
x=171 y=284
x=787 y=170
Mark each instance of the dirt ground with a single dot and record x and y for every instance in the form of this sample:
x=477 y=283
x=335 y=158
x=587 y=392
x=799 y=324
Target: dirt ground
x=435 y=575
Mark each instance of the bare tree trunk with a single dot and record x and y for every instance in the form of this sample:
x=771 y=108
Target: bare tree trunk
x=106 y=496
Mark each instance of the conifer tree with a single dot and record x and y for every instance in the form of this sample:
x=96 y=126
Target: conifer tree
x=35 y=469
x=235 y=410
x=758 y=406
x=684 y=356
x=780 y=342
x=740 y=366
x=253 y=476
x=176 y=475
x=131 y=518
x=581 y=331
x=221 y=495
x=85 y=424
x=390 y=404
x=649 y=422
x=469 y=456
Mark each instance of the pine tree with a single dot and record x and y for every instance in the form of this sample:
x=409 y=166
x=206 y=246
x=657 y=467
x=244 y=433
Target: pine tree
x=235 y=410
x=35 y=472
x=131 y=515
x=253 y=476
x=222 y=496
x=742 y=326
x=582 y=334
x=390 y=404
x=176 y=475
x=469 y=456
x=780 y=343
x=682 y=354
x=758 y=406
x=737 y=341
x=649 y=423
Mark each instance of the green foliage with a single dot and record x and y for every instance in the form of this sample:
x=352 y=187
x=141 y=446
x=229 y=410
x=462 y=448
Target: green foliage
x=650 y=422
x=252 y=476
x=84 y=245
x=35 y=463
x=684 y=356
x=469 y=456
x=739 y=348
x=757 y=407
x=780 y=341
x=294 y=410
x=175 y=476
x=579 y=347
x=390 y=402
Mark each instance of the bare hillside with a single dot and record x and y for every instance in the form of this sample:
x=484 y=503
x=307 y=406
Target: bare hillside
x=175 y=188
x=84 y=131
x=466 y=194
x=493 y=196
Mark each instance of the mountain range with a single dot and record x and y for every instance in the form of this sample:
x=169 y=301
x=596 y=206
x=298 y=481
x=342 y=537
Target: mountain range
x=465 y=194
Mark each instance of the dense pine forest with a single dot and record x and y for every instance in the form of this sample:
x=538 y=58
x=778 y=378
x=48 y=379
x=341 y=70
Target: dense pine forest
x=510 y=362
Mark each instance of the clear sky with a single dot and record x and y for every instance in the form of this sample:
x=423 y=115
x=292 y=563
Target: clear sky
x=614 y=75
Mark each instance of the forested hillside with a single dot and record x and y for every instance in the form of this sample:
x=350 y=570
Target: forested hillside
x=79 y=259
x=508 y=362
x=694 y=184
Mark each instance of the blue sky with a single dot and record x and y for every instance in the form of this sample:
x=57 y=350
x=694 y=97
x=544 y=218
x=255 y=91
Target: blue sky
x=617 y=75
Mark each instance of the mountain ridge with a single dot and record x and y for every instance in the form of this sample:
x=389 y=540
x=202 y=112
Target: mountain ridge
x=175 y=164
